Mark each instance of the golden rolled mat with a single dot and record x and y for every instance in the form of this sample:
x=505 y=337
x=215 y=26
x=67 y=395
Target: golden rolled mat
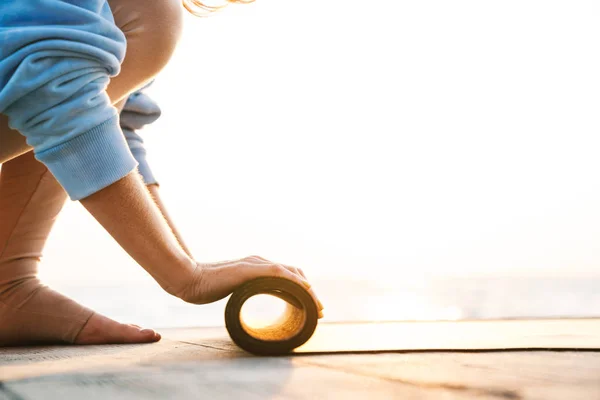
x=296 y=325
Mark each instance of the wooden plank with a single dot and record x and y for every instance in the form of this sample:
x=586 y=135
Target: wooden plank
x=188 y=363
x=246 y=378
x=26 y=362
x=209 y=343
x=510 y=375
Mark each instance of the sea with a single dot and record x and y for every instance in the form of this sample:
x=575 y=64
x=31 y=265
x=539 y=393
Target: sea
x=348 y=300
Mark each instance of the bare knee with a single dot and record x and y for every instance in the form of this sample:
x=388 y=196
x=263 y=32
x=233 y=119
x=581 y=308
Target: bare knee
x=152 y=29
x=162 y=24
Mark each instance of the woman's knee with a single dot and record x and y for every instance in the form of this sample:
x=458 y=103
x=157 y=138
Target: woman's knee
x=152 y=29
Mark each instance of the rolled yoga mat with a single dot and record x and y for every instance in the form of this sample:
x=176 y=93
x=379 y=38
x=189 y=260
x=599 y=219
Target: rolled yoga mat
x=296 y=325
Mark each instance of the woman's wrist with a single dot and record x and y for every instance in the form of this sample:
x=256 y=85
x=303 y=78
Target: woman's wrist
x=178 y=278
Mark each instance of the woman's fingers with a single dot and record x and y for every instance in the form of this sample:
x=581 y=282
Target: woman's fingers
x=262 y=261
x=259 y=258
x=317 y=301
x=284 y=271
x=292 y=275
x=310 y=291
x=294 y=270
x=251 y=259
x=218 y=281
x=301 y=273
x=295 y=273
x=259 y=268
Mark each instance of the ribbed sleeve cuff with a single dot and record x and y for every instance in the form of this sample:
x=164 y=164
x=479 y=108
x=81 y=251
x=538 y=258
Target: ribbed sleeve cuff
x=91 y=161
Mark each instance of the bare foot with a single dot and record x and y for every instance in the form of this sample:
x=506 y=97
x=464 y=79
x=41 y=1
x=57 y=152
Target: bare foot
x=32 y=313
x=102 y=330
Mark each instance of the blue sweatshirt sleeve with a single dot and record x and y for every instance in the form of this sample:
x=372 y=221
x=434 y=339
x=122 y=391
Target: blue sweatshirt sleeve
x=139 y=110
x=56 y=59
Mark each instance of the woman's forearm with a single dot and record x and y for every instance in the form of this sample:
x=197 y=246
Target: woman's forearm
x=154 y=192
x=129 y=214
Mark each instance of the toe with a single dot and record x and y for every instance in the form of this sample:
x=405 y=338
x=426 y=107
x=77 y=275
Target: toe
x=103 y=330
x=131 y=334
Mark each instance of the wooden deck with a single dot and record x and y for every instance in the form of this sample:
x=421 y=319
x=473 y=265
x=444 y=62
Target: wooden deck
x=203 y=363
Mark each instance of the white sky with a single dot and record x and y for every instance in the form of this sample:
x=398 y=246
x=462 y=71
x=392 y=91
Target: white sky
x=387 y=139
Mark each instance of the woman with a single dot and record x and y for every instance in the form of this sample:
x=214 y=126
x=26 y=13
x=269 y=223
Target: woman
x=66 y=68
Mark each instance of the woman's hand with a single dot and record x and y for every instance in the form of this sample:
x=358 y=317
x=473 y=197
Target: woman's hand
x=214 y=281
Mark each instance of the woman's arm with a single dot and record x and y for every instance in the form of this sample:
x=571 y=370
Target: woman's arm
x=127 y=211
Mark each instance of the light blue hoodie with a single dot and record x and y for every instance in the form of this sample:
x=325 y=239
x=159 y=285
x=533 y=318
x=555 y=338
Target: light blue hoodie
x=139 y=111
x=56 y=58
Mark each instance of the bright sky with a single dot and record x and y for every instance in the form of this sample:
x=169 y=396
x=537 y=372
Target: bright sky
x=387 y=139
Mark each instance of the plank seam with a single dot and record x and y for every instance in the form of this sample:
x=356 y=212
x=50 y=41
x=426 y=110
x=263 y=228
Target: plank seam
x=407 y=351
x=203 y=345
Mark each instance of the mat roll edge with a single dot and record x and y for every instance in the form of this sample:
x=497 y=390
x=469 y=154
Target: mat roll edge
x=299 y=303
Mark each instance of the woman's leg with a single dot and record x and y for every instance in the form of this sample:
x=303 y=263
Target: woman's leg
x=30 y=200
